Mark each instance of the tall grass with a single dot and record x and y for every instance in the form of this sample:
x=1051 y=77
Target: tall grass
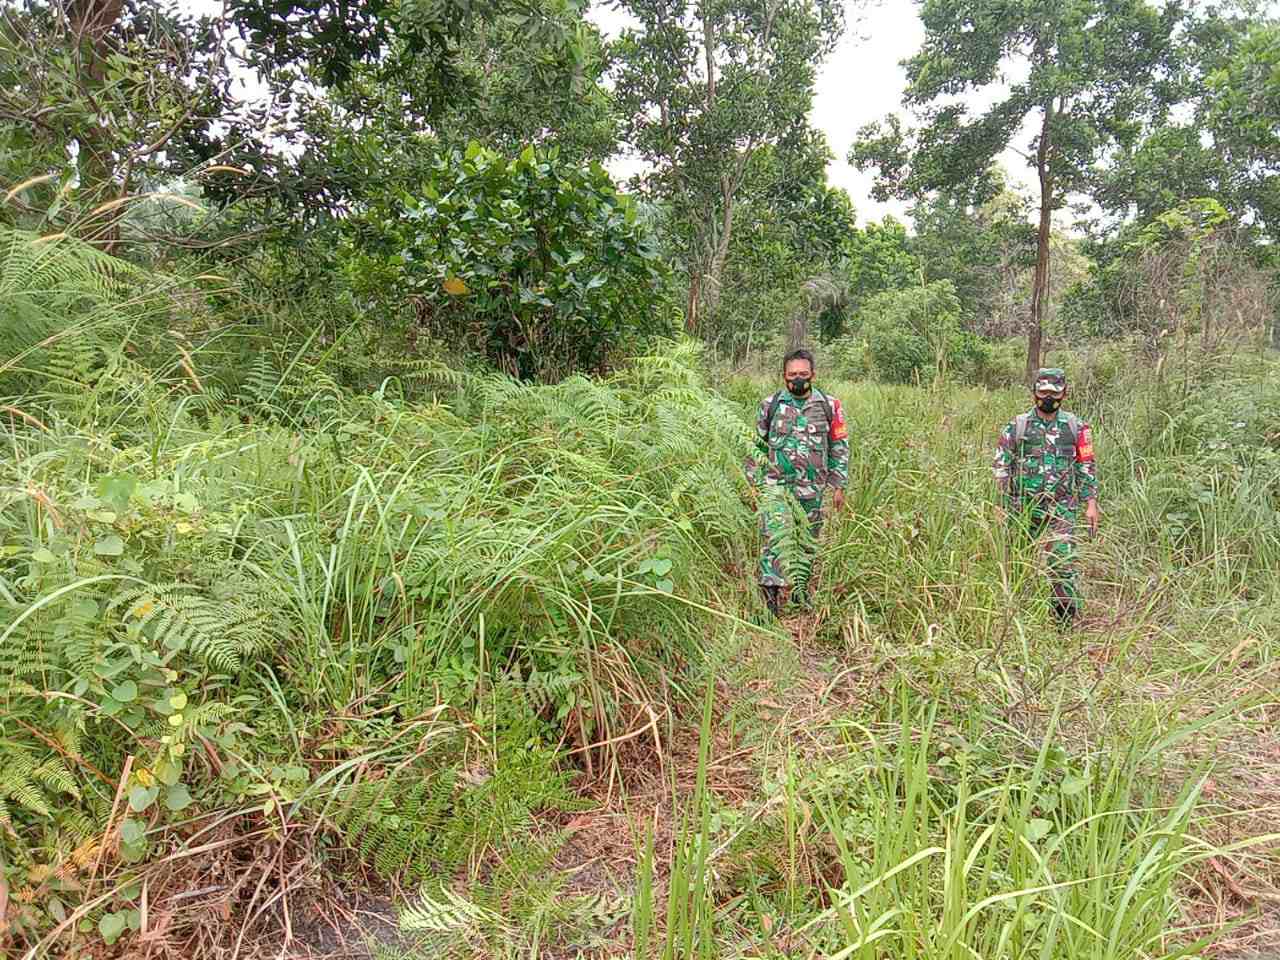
x=424 y=623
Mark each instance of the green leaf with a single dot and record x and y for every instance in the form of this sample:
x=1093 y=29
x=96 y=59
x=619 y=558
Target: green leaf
x=1074 y=785
x=178 y=798
x=142 y=797
x=111 y=926
x=132 y=831
x=662 y=566
x=111 y=546
x=1038 y=829
x=116 y=489
x=43 y=555
x=178 y=701
x=126 y=692
x=666 y=586
x=167 y=772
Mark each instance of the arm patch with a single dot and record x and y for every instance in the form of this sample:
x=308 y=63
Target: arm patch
x=839 y=429
x=1084 y=445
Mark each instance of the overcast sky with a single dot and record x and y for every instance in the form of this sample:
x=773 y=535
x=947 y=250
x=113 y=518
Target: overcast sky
x=861 y=82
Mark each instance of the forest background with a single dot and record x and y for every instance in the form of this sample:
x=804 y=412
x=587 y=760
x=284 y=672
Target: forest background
x=371 y=506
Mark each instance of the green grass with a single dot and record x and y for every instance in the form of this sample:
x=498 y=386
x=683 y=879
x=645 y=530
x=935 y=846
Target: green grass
x=414 y=631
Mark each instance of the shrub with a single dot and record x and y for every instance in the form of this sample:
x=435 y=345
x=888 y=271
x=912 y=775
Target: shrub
x=543 y=264
x=912 y=333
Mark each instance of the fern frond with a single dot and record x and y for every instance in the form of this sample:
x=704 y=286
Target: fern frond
x=447 y=912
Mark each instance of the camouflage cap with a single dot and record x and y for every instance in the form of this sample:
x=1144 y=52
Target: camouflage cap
x=1051 y=380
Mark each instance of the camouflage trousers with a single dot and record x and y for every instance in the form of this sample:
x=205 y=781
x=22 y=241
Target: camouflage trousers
x=789 y=529
x=1054 y=528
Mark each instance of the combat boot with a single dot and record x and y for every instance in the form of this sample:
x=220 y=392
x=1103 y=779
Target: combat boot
x=1065 y=612
x=773 y=598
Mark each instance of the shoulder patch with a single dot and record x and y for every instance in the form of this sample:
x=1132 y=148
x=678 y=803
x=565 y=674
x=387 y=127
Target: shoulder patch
x=1084 y=443
x=839 y=429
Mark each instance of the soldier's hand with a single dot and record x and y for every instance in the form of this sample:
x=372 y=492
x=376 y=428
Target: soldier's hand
x=837 y=499
x=1002 y=515
x=1091 y=516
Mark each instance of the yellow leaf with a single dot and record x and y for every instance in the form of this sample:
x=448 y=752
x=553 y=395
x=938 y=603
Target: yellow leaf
x=455 y=287
x=144 y=776
x=144 y=608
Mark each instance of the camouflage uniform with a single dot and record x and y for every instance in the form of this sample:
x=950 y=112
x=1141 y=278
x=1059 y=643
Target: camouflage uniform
x=804 y=451
x=1043 y=482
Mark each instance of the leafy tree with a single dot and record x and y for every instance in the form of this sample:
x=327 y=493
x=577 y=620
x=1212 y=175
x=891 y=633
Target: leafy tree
x=1228 y=147
x=542 y=264
x=95 y=96
x=985 y=250
x=1172 y=165
x=1096 y=72
x=914 y=333
x=878 y=258
x=703 y=88
x=1243 y=114
x=787 y=255
x=396 y=37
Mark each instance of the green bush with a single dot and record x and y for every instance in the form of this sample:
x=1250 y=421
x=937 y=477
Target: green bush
x=913 y=333
x=1002 y=365
x=849 y=359
x=542 y=264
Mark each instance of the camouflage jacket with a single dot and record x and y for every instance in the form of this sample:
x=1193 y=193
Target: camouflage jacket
x=804 y=448
x=1049 y=465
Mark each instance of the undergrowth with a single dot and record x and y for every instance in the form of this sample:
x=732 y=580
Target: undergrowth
x=421 y=621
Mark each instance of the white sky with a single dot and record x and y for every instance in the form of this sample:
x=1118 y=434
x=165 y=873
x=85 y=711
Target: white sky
x=862 y=81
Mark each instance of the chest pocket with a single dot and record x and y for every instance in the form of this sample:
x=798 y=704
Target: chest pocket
x=813 y=434
x=817 y=430
x=784 y=425
x=1065 y=449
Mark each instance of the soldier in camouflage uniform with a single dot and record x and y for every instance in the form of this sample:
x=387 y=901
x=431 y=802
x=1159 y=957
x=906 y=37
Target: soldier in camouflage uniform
x=801 y=454
x=1045 y=470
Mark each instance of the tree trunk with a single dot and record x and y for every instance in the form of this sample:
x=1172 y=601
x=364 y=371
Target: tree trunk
x=708 y=260
x=1040 y=285
x=715 y=269
x=89 y=23
x=691 y=307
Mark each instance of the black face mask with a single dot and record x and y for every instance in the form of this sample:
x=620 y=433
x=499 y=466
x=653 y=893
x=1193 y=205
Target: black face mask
x=1048 y=404
x=798 y=386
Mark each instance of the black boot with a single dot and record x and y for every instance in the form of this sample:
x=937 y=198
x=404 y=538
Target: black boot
x=1065 y=612
x=773 y=598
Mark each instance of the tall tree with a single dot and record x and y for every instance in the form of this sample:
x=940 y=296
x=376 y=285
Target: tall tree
x=703 y=87
x=1097 y=72
x=986 y=251
x=1228 y=147
x=1242 y=112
